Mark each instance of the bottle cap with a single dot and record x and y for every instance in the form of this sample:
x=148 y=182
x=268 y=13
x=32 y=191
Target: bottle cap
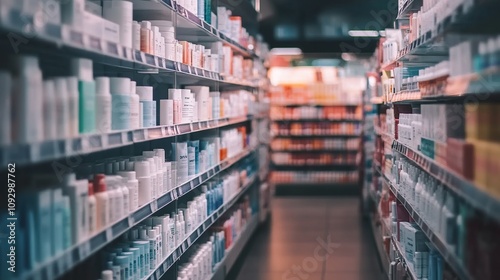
x=102 y=86
x=91 y=188
x=107 y=275
x=142 y=169
x=120 y=86
x=146 y=24
x=82 y=69
x=145 y=93
x=100 y=183
x=174 y=94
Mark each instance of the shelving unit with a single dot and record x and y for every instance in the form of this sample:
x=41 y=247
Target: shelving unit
x=56 y=44
x=449 y=257
x=427 y=75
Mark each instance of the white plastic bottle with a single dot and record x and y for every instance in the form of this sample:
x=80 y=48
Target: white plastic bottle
x=126 y=196
x=103 y=105
x=142 y=170
x=178 y=230
x=27 y=107
x=73 y=106
x=102 y=202
x=176 y=96
x=134 y=106
x=133 y=188
x=113 y=199
x=92 y=210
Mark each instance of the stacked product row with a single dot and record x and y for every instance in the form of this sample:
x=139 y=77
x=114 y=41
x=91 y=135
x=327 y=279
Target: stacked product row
x=102 y=193
x=145 y=247
x=208 y=256
x=337 y=92
x=291 y=177
x=113 y=22
x=304 y=159
x=314 y=144
x=65 y=107
x=325 y=113
x=463 y=230
x=462 y=137
x=316 y=128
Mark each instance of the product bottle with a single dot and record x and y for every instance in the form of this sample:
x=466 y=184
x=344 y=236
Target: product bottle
x=102 y=202
x=143 y=235
x=146 y=99
x=77 y=191
x=126 y=196
x=120 y=12
x=82 y=69
x=187 y=106
x=103 y=105
x=62 y=108
x=142 y=170
x=146 y=37
x=178 y=231
x=134 y=107
x=92 y=202
x=27 y=107
x=120 y=100
x=73 y=107
x=166 y=112
x=176 y=96
x=136 y=35
x=133 y=188
x=49 y=111
x=107 y=275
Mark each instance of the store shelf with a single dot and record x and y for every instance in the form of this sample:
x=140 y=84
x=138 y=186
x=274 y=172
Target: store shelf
x=314 y=167
x=318 y=136
x=409 y=266
x=314 y=103
x=475 y=196
x=335 y=120
x=377 y=236
x=433 y=47
x=24 y=154
x=408 y=7
x=448 y=256
x=61 y=264
x=344 y=151
x=74 y=42
x=232 y=253
x=169 y=261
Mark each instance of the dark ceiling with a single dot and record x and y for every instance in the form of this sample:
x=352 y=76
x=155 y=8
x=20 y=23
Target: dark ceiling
x=320 y=26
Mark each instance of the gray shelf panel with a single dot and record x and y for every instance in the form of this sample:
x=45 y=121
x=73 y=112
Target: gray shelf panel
x=25 y=154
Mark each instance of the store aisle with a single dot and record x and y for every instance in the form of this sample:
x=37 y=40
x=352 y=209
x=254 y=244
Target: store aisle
x=313 y=239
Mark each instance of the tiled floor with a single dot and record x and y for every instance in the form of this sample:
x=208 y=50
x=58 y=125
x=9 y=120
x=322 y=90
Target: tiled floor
x=313 y=239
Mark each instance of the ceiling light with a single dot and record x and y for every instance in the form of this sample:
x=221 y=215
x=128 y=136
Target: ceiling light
x=363 y=33
x=286 y=51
